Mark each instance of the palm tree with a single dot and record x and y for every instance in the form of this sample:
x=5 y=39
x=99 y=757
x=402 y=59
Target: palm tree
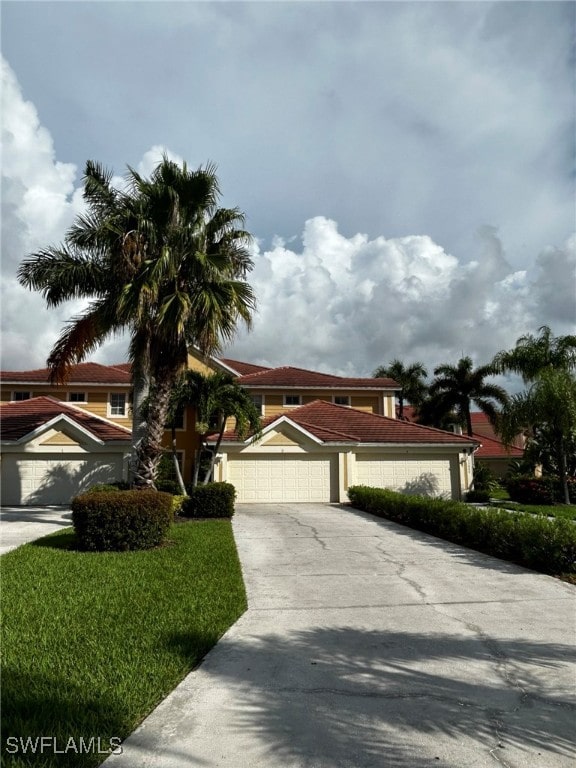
x=457 y=386
x=160 y=259
x=411 y=379
x=216 y=398
x=534 y=354
x=548 y=408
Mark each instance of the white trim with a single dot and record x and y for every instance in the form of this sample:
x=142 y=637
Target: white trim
x=291 y=405
x=343 y=405
x=61 y=417
x=109 y=406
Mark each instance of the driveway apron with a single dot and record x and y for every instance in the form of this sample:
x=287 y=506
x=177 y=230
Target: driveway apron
x=19 y=525
x=367 y=644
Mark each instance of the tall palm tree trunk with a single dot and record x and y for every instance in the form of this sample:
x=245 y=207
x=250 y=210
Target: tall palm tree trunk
x=149 y=451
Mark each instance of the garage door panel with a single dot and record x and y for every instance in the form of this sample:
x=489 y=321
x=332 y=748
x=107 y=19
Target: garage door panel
x=428 y=477
x=29 y=480
x=280 y=478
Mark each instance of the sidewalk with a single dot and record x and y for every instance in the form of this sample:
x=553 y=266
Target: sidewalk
x=366 y=645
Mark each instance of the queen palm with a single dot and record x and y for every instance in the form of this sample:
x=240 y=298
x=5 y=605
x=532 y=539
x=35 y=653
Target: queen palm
x=411 y=380
x=534 y=355
x=456 y=387
x=548 y=410
x=159 y=259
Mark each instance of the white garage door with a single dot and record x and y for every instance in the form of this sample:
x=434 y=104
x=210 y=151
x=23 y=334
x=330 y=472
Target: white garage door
x=426 y=477
x=282 y=478
x=55 y=479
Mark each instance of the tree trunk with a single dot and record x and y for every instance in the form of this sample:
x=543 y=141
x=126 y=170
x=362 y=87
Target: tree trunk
x=563 y=473
x=179 y=477
x=468 y=421
x=197 y=461
x=140 y=393
x=215 y=452
x=150 y=449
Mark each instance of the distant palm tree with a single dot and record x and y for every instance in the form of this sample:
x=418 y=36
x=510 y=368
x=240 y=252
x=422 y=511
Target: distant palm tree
x=216 y=397
x=548 y=409
x=533 y=355
x=159 y=259
x=411 y=379
x=456 y=387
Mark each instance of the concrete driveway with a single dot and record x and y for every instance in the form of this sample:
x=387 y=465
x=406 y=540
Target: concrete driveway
x=366 y=645
x=19 y=525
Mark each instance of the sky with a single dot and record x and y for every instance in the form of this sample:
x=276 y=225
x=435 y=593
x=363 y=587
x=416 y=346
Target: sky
x=407 y=169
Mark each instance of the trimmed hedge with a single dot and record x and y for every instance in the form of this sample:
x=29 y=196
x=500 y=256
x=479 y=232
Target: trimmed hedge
x=548 y=546
x=118 y=521
x=211 y=500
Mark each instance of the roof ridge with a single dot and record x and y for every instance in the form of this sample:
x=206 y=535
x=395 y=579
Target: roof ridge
x=304 y=423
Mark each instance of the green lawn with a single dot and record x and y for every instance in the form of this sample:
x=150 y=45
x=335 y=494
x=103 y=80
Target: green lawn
x=564 y=511
x=93 y=642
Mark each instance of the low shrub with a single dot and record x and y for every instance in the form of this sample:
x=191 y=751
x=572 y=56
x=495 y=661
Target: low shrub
x=211 y=500
x=177 y=502
x=121 y=485
x=118 y=521
x=545 y=545
x=527 y=489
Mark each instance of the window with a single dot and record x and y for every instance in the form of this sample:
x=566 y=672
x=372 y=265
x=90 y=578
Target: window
x=292 y=399
x=341 y=400
x=258 y=401
x=21 y=396
x=117 y=404
x=77 y=397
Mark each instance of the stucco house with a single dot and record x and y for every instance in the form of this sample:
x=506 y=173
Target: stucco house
x=321 y=434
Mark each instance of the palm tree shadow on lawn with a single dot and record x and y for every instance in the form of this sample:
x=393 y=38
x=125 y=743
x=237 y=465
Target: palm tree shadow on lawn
x=354 y=698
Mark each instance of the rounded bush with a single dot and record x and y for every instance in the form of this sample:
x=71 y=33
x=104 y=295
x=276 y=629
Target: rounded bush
x=211 y=500
x=118 y=521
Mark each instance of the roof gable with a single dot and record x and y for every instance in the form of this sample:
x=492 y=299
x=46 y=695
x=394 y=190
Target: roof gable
x=329 y=423
x=24 y=420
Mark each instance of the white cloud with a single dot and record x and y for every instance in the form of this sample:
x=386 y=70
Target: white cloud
x=326 y=301
x=39 y=201
x=349 y=304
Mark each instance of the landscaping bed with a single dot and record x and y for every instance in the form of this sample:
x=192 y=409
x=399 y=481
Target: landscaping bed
x=92 y=642
x=548 y=546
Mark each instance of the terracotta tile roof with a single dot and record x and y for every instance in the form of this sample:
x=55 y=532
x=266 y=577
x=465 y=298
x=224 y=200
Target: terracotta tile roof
x=18 y=419
x=336 y=423
x=300 y=378
x=83 y=373
x=243 y=368
x=126 y=367
x=494 y=449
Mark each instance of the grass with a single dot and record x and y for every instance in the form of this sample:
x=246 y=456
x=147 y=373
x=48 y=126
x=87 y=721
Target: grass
x=92 y=642
x=562 y=511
